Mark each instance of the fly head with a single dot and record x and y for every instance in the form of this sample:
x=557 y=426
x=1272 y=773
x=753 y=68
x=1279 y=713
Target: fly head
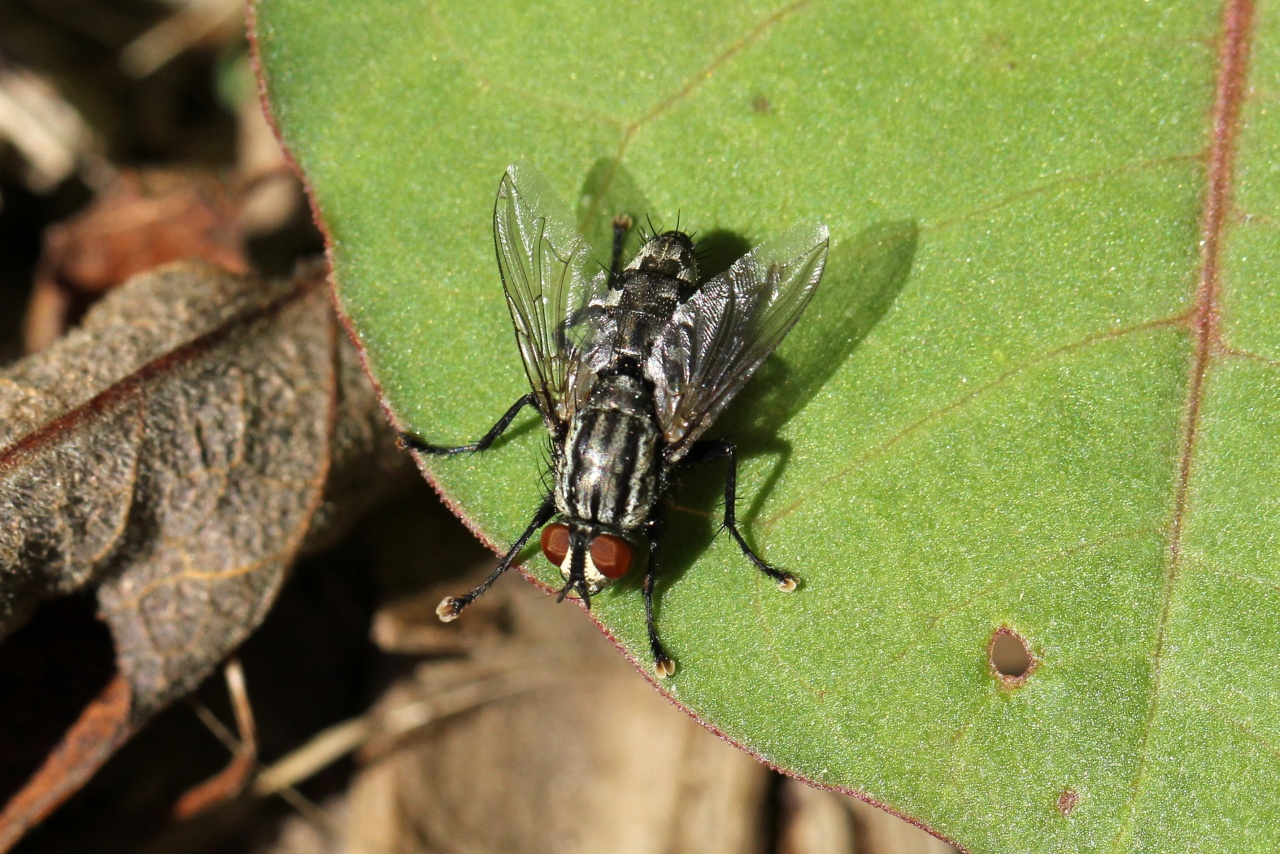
x=590 y=558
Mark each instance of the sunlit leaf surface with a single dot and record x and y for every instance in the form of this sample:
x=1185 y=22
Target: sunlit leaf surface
x=1037 y=394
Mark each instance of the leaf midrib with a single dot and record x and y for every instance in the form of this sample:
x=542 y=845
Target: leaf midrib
x=1204 y=327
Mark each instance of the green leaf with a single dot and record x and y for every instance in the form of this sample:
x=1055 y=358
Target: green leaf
x=1038 y=395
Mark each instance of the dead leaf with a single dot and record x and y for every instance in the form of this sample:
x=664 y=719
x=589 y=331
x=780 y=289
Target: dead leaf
x=139 y=221
x=584 y=756
x=174 y=455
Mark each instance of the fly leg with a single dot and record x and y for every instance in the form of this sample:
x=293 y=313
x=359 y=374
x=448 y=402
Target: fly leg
x=451 y=606
x=408 y=440
x=715 y=449
x=663 y=666
x=621 y=225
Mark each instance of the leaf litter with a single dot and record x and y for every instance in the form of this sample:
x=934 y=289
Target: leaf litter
x=174 y=455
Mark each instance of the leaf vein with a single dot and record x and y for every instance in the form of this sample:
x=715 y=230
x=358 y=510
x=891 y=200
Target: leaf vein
x=958 y=403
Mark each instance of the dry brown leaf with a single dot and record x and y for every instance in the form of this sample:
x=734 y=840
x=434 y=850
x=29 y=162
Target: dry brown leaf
x=564 y=748
x=174 y=454
x=139 y=221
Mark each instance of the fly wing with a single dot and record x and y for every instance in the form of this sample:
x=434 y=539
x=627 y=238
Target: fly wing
x=545 y=273
x=721 y=334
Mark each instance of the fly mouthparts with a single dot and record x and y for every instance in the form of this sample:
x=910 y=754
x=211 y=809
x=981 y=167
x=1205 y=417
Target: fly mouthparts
x=578 y=588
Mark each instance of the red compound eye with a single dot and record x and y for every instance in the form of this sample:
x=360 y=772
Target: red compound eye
x=555 y=542
x=611 y=555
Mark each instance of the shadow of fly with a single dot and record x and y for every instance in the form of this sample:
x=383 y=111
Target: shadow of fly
x=628 y=367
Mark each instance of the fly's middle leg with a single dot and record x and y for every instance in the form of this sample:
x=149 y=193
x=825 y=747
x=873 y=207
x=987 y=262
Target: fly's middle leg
x=663 y=666
x=716 y=449
x=410 y=441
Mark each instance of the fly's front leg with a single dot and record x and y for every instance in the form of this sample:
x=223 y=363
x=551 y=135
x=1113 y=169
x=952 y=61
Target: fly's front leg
x=408 y=440
x=715 y=449
x=663 y=666
x=451 y=606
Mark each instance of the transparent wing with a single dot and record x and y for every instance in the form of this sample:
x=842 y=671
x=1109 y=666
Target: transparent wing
x=717 y=339
x=545 y=268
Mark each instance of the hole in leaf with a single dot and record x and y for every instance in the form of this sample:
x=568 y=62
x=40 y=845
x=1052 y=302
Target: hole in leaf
x=1010 y=657
x=1067 y=801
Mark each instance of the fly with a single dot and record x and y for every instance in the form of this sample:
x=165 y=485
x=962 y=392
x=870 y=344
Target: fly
x=628 y=368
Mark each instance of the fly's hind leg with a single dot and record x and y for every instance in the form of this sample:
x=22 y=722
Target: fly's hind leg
x=663 y=666
x=451 y=606
x=621 y=225
x=715 y=449
x=410 y=441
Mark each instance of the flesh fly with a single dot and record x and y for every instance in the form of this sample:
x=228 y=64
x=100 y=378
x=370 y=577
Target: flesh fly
x=628 y=367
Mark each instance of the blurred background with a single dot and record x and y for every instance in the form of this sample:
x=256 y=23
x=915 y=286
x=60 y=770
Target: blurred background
x=131 y=135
